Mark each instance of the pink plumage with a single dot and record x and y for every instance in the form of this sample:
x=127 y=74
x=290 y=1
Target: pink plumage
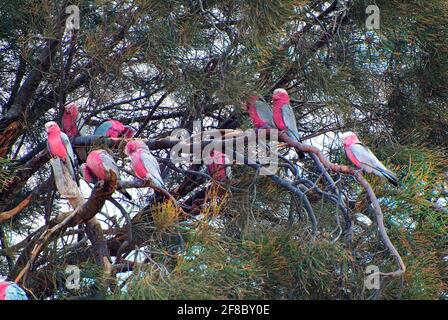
x=348 y=141
x=59 y=146
x=87 y=174
x=137 y=164
x=56 y=146
x=116 y=129
x=364 y=159
x=143 y=163
x=218 y=169
x=95 y=164
x=253 y=114
x=128 y=132
x=98 y=167
x=69 y=118
x=280 y=99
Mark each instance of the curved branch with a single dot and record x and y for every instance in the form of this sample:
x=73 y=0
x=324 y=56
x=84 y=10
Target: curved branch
x=358 y=175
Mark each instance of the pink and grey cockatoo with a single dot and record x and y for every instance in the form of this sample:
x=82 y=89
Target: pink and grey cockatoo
x=220 y=167
x=69 y=120
x=11 y=291
x=144 y=163
x=260 y=113
x=97 y=167
x=114 y=129
x=364 y=159
x=284 y=117
x=59 y=146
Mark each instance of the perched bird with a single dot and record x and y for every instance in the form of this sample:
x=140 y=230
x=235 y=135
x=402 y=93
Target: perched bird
x=59 y=146
x=260 y=113
x=11 y=291
x=219 y=167
x=98 y=165
x=69 y=119
x=144 y=163
x=284 y=117
x=114 y=129
x=364 y=159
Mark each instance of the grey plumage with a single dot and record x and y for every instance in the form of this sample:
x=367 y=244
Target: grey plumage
x=70 y=163
x=371 y=163
x=153 y=168
x=264 y=111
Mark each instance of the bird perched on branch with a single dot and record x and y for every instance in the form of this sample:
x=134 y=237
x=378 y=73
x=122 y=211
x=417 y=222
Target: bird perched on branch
x=144 y=163
x=98 y=166
x=70 y=127
x=364 y=159
x=69 y=119
x=260 y=113
x=114 y=129
x=59 y=146
x=283 y=115
x=219 y=168
x=11 y=291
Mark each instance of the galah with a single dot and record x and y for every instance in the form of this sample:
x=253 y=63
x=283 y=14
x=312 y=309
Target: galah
x=97 y=167
x=283 y=115
x=219 y=167
x=59 y=146
x=11 y=291
x=144 y=163
x=69 y=119
x=260 y=113
x=114 y=129
x=364 y=159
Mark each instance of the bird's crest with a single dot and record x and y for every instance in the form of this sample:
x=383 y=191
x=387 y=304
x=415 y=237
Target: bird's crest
x=280 y=90
x=50 y=124
x=349 y=138
x=69 y=107
x=280 y=95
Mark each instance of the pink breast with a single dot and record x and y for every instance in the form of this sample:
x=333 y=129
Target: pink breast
x=3 y=287
x=112 y=132
x=69 y=125
x=352 y=157
x=96 y=166
x=138 y=166
x=86 y=174
x=278 y=118
x=256 y=120
x=57 y=147
x=217 y=168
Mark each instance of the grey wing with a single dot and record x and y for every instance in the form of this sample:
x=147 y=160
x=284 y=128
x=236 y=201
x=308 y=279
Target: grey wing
x=109 y=163
x=152 y=166
x=365 y=156
x=264 y=111
x=290 y=121
x=70 y=154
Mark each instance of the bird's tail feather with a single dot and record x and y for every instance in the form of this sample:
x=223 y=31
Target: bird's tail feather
x=296 y=137
x=390 y=176
x=71 y=168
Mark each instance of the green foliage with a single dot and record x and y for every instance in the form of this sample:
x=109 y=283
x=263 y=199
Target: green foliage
x=266 y=265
